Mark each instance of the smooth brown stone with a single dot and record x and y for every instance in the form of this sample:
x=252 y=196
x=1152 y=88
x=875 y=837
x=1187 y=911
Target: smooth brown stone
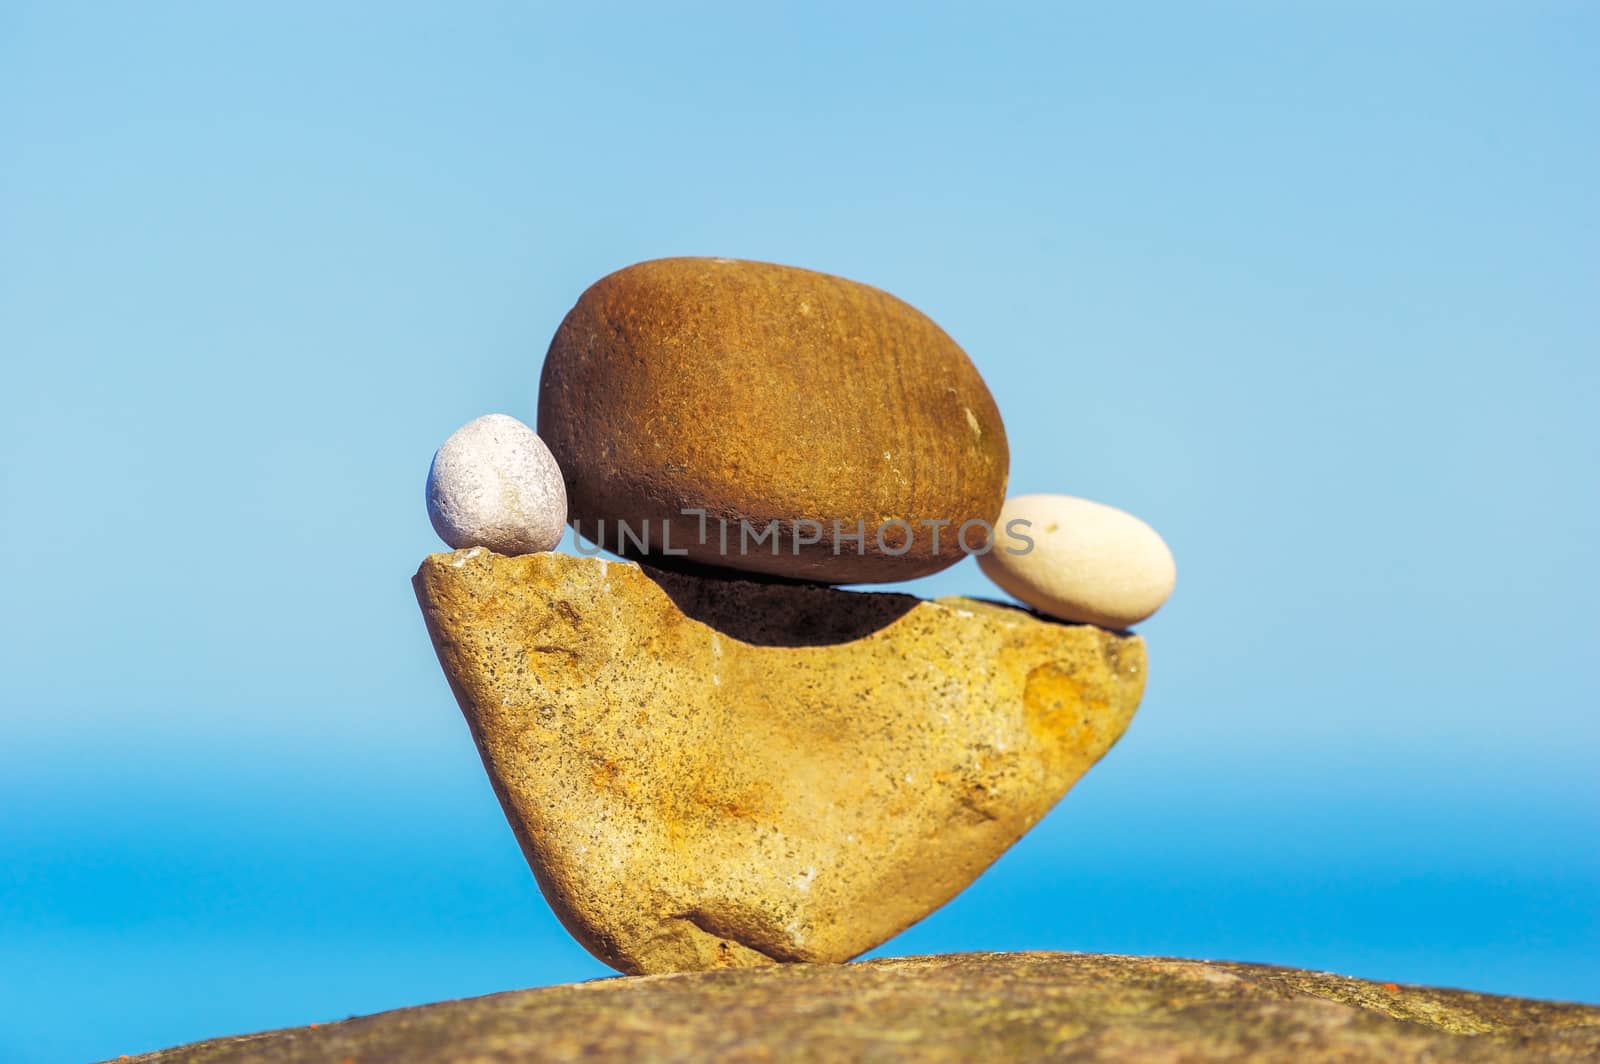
x=711 y=773
x=762 y=392
x=968 y=1007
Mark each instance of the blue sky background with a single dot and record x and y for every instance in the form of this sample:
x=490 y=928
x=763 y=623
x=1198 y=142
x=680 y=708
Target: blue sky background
x=1313 y=291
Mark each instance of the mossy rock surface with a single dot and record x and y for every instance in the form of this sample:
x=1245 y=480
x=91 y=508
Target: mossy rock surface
x=964 y=1007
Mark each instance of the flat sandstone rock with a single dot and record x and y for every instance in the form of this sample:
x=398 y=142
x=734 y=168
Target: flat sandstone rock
x=983 y=1006
x=710 y=773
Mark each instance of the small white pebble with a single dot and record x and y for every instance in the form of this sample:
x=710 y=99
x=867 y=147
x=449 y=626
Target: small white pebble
x=1080 y=560
x=495 y=484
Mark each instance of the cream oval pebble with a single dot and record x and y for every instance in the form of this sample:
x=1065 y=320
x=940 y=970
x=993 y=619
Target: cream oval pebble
x=1089 y=562
x=495 y=484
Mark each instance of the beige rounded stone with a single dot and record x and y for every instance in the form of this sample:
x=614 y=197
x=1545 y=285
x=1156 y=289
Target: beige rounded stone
x=1080 y=560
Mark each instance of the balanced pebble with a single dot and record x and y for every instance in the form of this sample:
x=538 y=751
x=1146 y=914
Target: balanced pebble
x=681 y=388
x=495 y=484
x=1088 y=562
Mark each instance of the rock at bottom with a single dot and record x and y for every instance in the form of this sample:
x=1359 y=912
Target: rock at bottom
x=981 y=1006
x=710 y=773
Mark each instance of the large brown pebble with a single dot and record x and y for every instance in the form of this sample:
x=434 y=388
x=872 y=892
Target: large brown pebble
x=762 y=393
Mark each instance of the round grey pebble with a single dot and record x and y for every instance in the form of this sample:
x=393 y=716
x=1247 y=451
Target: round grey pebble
x=495 y=484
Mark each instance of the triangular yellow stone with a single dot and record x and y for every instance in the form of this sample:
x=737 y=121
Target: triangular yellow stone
x=707 y=772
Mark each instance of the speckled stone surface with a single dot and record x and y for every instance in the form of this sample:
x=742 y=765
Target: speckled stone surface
x=709 y=773
x=495 y=484
x=972 y=1007
x=770 y=393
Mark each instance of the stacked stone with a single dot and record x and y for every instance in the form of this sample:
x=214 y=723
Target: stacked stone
x=714 y=758
x=753 y=418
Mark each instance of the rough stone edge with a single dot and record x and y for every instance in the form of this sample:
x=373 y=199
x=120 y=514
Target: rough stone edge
x=1460 y=1017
